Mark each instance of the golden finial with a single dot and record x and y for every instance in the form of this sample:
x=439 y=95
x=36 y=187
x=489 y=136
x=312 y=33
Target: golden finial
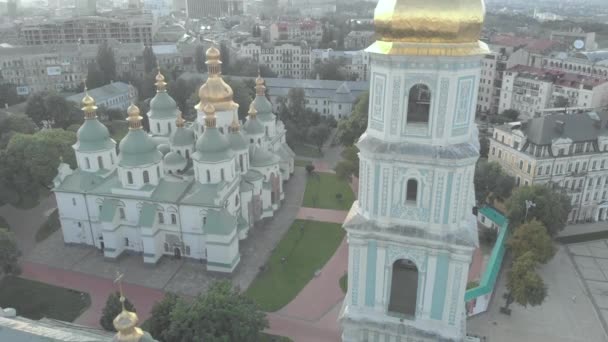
x=214 y=64
x=179 y=122
x=126 y=321
x=252 y=111
x=134 y=117
x=209 y=115
x=235 y=126
x=88 y=104
x=161 y=85
x=260 y=88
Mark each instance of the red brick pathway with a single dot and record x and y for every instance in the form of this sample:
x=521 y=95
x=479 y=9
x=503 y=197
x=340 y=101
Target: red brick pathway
x=324 y=215
x=143 y=298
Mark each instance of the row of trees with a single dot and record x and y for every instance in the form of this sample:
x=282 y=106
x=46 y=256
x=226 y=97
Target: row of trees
x=221 y=314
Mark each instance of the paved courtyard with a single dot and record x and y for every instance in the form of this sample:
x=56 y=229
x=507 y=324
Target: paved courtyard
x=567 y=315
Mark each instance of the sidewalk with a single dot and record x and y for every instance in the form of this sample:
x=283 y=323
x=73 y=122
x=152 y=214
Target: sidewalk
x=323 y=215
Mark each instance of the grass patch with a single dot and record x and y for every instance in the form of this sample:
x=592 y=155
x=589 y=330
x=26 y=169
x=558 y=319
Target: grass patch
x=274 y=338
x=305 y=250
x=50 y=226
x=301 y=162
x=304 y=150
x=344 y=282
x=583 y=237
x=4 y=223
x=36 y=300
x=321 y=191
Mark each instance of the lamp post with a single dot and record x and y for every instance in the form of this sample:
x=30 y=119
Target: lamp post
x=529 y=204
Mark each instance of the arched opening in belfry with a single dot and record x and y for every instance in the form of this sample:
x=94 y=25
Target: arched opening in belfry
x=419 y=104
x=404 y=288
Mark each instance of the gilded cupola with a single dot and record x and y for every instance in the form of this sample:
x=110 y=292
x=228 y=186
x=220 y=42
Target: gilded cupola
x=429 y=27
x=215 y=91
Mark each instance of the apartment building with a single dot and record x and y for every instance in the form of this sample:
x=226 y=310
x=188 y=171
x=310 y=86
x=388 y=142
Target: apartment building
x=357 y=40
x=569 y=151
x=355 y=64
x=127 y=27
x=308 y=30
x=533 y=91
x=587 y=63
x=199 y=9
x=569 y=37
x=289 y=59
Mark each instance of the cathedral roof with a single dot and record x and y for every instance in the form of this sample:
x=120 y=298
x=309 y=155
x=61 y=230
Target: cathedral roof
x=93 y=136
x=343 y=94
x=262 y=157
x=138 y=149
x=182 y=137
x=174 y=159
x=163 y=148
x=212 y=146
x=220 y=222
x=237 y=141
x=162 y=106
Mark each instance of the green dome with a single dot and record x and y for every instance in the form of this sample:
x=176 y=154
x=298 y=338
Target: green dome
x=262 y=105
x=138 y=149
x=175 y=160
x=254 y=127
x=163 y=148
x=162 y=106
x=237 y=141
x=182 y=137
x=212 y=146
x=93 y=136
x=261 y=157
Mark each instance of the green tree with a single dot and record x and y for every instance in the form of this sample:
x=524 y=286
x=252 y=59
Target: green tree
x=112 y=309
x=12 y=124
x=532 y=237
x=106 y=62
x=318 y=134
x=95 y=78
x=561 y=102
x=180 y=90
x=525 y=286
x=491 y=182
x=510 y=114
x=222 y=314
x=351 y=128
x=149 y=59
x=226 y=58
x=160 y=316
x=60 y=111
x=349 y=165
x=484 y=147
x=9 y=253
x=243 y=94
x=8 y=95
x=199 y=59
x=331 y=70
x=35 y=108
x=552 y=207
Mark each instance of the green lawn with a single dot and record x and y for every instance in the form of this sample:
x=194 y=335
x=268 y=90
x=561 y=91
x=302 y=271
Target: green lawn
x=36 y=300
x=304 y=150
x=305 y=250
x=344 y=283
x=274 y=338
x=301 y=162
x=321 y=190
x=51 y=225
x=4 y=224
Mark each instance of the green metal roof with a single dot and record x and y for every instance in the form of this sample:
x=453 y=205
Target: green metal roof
x=237 y=141
x=254 y=127
x=262 y=105
x=147 y=215
x=138 y=149
x=244 y=186
x=80 y=181
x=163 y=148
x=493 y=215
x=108 y=209
x=175 y=159
x=170 y=192
x=261 y=157
x=212 y=146
x=182 y=137
x=220 y=222
x=202 y=194
x=93 y=136
x=162 y=106
x=253 y=175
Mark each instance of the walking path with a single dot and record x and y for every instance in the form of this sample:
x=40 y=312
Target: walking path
x=323 y=215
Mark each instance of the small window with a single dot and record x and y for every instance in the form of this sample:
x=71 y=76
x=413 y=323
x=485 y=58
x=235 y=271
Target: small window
x=166 y=246
x=87 y=162
x=173 y=219
x=79 y=225
x=169 y=127
x=127 y=242
x=146 y=177
x=112 y=158
x=129 y=177
x=412 y=190
x=419 y=104
x=204 y=220
x=73 y=201
x=161 y=218
x=158 y=127
x=100 y=162
x=187 y=154
x=222 y=174
x=158 y=172
x=208 y=176
x=236 y=200
x=121 y=212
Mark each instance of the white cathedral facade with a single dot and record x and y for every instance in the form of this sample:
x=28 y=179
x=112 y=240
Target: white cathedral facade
x=186 y=190
x=412 y=232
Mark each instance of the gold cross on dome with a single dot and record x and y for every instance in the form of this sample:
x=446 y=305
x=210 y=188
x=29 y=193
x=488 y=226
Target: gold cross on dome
x=118 y=281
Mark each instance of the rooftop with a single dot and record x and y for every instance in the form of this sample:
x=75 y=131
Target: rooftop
x=102 y=93
x=557 y=77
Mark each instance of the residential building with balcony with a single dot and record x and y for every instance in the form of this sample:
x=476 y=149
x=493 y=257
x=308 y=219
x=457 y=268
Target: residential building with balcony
x=288 y=59
x=308 y=30
x=586 y=63
x=354 y=64
x=569 y=151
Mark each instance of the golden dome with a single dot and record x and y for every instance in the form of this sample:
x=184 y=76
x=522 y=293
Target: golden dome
x=179 y=121
x=160 y=81
x=212 y=53
x=209 y=111
x=215 y=91
x=252 y=111
x=454 y=24
x=134 y=118
x=88 y=105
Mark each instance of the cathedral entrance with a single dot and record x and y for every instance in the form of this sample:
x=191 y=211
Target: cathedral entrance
x=177 y=253
x=404 y=288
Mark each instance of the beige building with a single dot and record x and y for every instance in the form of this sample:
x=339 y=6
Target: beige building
x=309 y=30
x=569 y=151
x=288 y=59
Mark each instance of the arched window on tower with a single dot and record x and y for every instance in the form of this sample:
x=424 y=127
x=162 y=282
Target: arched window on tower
x=158 y=127
x=169 y=127
x=241 y=162
x=161 y=218
x=173 y=219
x=411 y=191
x=208 y=176
x=87 y=162
x=404 y=288
x=146 y=177
x=129 y=177
x=222 y=174
x=419 y=104
x=187 y=154
x=100 y=162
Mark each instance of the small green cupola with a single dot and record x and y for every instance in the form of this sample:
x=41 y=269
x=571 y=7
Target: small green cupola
x=182 y=137
x=137 y=149
x=253 y=126
x=261 y=103
x=212 y=146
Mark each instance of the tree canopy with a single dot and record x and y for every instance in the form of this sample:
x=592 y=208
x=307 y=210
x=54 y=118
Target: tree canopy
x=9 y=253
x=524 y=284
x=222 y=314
x=106 y=62
x=492 y=182
x=552 y=207
x=510 y=114
x=8 y=95
x=532 y=237
x=199 y=59
x=351 y=128
x=51 y=110
x=160 y=317
x=149 y=59
x=349 y=165
x=330 y=70
x=112 y=309
x=13 y=124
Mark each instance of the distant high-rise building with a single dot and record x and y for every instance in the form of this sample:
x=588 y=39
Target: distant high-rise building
x=199 y=9
x=11 y=8
x=86 y=7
